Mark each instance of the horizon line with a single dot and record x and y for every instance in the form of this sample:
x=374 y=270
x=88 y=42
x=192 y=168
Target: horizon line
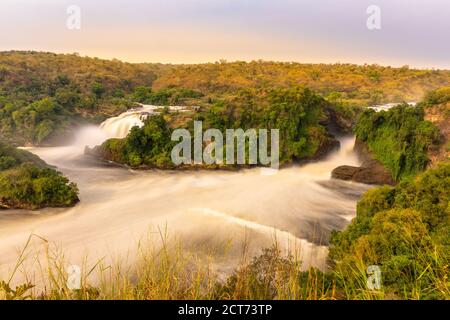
x=133 y=61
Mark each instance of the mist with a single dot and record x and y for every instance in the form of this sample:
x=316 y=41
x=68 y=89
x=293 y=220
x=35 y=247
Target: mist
x=297 y=207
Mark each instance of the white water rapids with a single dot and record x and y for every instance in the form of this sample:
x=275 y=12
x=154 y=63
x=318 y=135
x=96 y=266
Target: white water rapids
x=298 y=206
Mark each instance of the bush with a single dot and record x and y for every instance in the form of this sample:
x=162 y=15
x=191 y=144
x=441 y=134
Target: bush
x=296 y=112
x=163 y=97
x=399 y=138
x=26 y=182
x=150 y=145
x=29 y=187
x=438 y=96
x=404 y=230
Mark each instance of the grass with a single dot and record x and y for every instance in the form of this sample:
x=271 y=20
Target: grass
x=167 y=271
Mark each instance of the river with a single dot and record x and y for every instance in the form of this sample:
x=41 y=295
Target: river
x=297 y=207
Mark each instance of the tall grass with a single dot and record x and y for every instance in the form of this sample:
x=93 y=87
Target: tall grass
x=167 y=270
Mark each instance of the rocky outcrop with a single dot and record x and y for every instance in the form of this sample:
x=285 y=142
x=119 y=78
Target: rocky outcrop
x=336 y=123
x=371 y=174
x=371 y=170
x=344 y=172
x=439 y=115
x=326 y=146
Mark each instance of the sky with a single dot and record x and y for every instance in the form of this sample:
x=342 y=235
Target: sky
x=412 y=32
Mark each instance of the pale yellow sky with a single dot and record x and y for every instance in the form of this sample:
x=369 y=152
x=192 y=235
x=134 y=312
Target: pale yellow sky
x=413 y=32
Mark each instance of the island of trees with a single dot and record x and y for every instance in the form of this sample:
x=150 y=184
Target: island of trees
x=403 y=228
x=27 y=182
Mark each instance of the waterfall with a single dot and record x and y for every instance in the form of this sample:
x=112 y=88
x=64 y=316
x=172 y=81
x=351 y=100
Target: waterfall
x=120 y=126
x=297 y=207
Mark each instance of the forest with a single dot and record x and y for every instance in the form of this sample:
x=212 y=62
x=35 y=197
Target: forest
x=44 y=96
x=404 y=228
x=297 y=112
x=400 y=138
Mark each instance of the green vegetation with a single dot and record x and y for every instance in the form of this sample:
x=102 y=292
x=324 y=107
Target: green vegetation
x=149 y=145
x=438 y=96
x=43 y=96
x=11 y=157
x=351 y=84
x=400 y=138
x=164 y=97
x=272 y=275
x=26 y=182
x=297 y=112
x=404 y=230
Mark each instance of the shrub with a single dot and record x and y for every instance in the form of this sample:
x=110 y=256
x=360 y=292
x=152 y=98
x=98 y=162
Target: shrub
x=399 y=138
x=26 y=182
x=404 y=230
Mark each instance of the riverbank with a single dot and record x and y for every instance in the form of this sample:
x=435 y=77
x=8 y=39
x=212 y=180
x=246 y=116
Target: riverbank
x=299 y=206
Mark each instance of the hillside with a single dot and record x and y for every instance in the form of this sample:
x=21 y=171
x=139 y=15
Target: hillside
x=44 y=96
x=403 y=229
x=360 y=85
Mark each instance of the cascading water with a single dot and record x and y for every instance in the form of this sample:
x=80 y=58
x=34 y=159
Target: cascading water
x=118 y=127
x=298 y=206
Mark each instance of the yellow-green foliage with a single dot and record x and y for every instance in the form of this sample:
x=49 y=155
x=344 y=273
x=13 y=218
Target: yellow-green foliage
x=26 y=182
x=438 y=96
x=404 y=230
x=399 y=138
x=167 y=270
x=296 y=112
x=43 y=95
x=357 y=85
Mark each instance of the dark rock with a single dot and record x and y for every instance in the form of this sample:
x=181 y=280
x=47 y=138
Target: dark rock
x=344 y=172
x=371 y=171
x=328 y=145
x=335 y=123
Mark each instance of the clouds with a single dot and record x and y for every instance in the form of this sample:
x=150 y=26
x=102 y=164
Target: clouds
x=413 y=31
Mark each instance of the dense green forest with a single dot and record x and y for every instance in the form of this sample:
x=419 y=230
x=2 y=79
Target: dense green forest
x=297 y=112
x=404 y=138
x=43 y=96
x=403 y=229
x=400 y=138
x=26 y=182
x=149 y=145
